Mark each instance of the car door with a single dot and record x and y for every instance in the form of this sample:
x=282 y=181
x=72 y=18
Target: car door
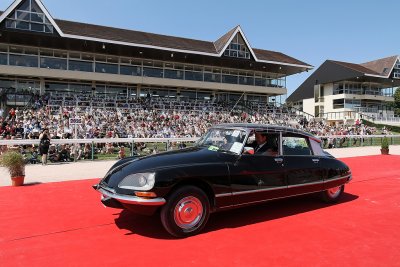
x=302 y=167
x=255 y=178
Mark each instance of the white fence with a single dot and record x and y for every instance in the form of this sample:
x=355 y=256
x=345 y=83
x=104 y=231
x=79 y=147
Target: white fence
x=168 y=140
x=97 y=141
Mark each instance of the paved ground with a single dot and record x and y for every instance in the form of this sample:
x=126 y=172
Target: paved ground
x=97 y=169
x=64 y=224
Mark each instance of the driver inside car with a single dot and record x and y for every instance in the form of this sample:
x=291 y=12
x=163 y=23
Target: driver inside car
x=262 y=146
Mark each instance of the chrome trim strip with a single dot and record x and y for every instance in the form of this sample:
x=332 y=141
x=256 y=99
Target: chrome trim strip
x=339 y=178
x=265 y=200
x=258 y=190
x=300 y=185
x=132 y=199
x=223 y=195
x=283 y=187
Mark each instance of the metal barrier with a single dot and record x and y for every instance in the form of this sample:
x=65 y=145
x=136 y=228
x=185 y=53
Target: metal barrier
x=339 y=141
x=91 y=149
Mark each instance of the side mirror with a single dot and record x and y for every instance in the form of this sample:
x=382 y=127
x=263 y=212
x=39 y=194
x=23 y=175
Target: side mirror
x=248 y=150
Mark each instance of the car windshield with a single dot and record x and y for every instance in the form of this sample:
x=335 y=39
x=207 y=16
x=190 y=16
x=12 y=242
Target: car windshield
x=225 y=140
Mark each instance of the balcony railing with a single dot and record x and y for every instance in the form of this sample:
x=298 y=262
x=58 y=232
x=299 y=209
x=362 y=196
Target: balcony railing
x=366 y=110
x=362 y=92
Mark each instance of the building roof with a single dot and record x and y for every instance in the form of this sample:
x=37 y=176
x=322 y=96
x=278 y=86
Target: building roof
x=223 y=40
x=135 y=37
x=85 y=31
x=356 y=67
x=334 y=71
x=382 y=66
x=165 y=41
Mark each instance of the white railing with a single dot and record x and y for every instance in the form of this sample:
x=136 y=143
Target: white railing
x=99 y=141
x=359 y=136
x=150 y=140
x=391 y=119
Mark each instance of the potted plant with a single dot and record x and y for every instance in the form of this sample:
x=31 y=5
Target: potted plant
x=385 y=146
x=15 y=164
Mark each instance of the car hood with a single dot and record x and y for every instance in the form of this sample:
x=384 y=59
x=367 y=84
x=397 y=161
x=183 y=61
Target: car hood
x=170 y=159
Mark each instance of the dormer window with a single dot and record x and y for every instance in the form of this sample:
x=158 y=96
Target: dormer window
x=237 y=48
x=29 y=17
x=397 y=66
x=396 y=70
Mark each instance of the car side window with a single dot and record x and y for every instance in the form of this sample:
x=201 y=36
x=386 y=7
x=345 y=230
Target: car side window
x=316 y=146
x=262 y=144
x=295 y=146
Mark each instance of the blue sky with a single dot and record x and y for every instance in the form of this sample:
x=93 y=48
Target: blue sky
x=310 y=30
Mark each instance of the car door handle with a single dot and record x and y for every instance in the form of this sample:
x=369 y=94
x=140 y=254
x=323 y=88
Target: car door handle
x=315 y=160
x=278 y=160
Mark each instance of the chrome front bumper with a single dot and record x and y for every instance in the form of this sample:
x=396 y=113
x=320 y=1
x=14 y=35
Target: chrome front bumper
x=127 y=199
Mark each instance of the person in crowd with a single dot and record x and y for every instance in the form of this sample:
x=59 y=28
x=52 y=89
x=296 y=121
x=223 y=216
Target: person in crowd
x=87 y=151
x=121 y=153
x=34 y=156
x=52 y=154
x=64 y=154
x=44 y=144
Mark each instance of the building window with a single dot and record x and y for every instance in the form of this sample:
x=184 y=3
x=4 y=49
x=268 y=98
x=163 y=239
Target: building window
x=24 y=60
x=396 y=72
x=237 y=48
x=76 y=65
x=229 y=77
x=130 y=70
x=29 y=17
x=53 y=63
x=338 y=103
x=152 y=72
x=106 y=68
x=193 y=73
x=173 y=71
x=3 y=59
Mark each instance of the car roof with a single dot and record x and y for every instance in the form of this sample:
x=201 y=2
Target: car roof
x=263 y=127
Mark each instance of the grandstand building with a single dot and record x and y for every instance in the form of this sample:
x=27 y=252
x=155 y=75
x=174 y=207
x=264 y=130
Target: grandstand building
x=339 y=91
x=39 y=54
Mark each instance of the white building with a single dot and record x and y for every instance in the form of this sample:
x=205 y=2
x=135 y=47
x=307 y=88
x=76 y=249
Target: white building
x=342 y=91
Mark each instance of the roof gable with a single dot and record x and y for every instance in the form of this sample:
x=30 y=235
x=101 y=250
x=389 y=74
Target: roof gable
x=383 y=66
x=30 y=16
x=225 y=42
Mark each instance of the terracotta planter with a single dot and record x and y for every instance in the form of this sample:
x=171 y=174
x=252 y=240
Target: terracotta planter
x=17 y=181
x=385 y=151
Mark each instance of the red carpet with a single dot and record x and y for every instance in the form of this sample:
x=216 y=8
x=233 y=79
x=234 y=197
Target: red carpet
x=64 y=224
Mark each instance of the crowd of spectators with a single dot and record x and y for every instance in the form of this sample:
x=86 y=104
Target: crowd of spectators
x=149 y=119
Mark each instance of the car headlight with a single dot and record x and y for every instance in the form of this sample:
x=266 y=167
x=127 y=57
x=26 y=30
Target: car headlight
x=138 y=181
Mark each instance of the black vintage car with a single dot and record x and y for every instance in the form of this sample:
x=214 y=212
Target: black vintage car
x=232 y=165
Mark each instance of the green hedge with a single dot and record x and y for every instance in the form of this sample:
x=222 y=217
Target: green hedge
x=380 y=126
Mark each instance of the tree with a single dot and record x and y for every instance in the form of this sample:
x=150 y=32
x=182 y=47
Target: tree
x=397 y=101
x=397 y=97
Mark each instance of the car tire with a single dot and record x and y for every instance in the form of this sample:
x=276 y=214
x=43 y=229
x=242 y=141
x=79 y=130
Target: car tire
x=186 y=212
x=332 y=195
